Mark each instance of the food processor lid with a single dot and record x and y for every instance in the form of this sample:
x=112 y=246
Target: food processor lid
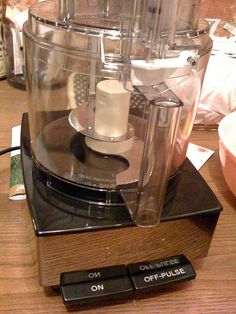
x=112 y=14
x=118 y=32
x=151 y=21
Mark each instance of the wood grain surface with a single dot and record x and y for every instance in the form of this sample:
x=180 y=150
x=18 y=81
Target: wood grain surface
x=213 y=291
x=224 y=10
x=218 y=9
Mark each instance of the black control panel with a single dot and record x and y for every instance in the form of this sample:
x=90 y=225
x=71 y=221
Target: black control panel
x=121 y=281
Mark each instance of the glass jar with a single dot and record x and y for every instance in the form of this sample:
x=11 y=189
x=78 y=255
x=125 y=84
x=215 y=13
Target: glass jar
x=15 y=13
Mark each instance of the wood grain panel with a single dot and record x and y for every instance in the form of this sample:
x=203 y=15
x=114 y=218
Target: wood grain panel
x=82 y=251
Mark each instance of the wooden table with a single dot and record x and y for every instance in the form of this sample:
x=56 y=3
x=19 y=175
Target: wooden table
x=213 y=291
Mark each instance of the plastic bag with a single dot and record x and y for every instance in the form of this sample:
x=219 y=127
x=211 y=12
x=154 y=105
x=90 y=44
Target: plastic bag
x=218 y=96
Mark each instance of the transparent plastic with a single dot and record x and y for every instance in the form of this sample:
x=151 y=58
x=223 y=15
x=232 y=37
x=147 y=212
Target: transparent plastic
x=157 y=155
x=113 y=89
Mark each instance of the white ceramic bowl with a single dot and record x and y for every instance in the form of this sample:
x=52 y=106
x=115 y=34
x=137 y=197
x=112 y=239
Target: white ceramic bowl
x=227 y=149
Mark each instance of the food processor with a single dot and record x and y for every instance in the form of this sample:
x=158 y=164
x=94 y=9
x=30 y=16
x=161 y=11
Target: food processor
x=113 y=88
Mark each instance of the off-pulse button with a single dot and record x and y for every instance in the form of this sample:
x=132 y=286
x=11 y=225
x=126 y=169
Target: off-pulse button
x=157 y=264
x=152 y=279
x=94 y=291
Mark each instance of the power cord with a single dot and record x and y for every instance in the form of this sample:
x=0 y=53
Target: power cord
x=8 y=150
